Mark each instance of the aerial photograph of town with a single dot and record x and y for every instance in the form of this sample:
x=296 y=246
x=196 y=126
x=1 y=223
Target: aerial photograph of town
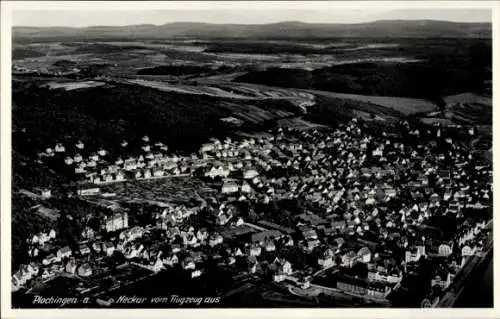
x=198 y=160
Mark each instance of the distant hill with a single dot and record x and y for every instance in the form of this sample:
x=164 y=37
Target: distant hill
x=291 y=29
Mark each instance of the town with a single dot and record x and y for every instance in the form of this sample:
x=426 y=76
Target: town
x=350 y=213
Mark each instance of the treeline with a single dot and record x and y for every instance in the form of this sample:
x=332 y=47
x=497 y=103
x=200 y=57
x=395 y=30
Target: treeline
x=270 y=48
x=108 y=115
x=24 y=222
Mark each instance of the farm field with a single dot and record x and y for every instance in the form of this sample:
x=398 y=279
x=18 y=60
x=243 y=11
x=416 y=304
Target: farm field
x=68 y=86
x=406 y=106
x=187 y=89
x=468 y=98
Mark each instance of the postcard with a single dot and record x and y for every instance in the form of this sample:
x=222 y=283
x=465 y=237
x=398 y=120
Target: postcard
x=248 y=159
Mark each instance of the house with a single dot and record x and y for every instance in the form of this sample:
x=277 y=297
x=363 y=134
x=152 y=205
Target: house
x=130 y=164
x=171 y=260
x=144 y=254
x=364 y=255
x=217 y=172
x=47 y=273
x=309 y=233
x=237 y=252
x=279 y=276
x=288 y=241
x=444 y=250
x=17 y=281
x=222 y=219
x=108 y=248
x=250 y=174
x=188 y=263
x=381 y=274
x=326 y=260
x=196 y=273
x=282 y=268
x=88 y=191
x=215 y=239
x=239 y=222
x=176 y=248
x=88 y=233
x=84 y=270
x=33 y=252
x=246 y=188
x=68 y=160
x=378 y=290
x=231 y=260
x=229 y=187
x=158 y=172
x=71 y=267
x=52 y=234
x=133 y=251
x=442 y=278
x=253 y=264
x=207 y=147
x=64 y=252
x=157 y=265
x=202 y=234
x=349 y=259
x=97 y=247
x=311 y=244
x=45 y=193
x=255 y=250
x=84 y=250
x=378 y=152
x=117 y=221
x=59 y=148
x=190 y=240
x=467 y=251
x=49 y=259
x=270 y=246
x=412 y=255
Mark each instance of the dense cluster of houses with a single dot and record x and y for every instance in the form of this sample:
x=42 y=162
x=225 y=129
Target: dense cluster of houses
x=98 y=167
x=370 y=198
x=376 y=190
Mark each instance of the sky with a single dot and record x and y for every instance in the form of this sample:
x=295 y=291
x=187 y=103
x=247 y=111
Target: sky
x=255 y=15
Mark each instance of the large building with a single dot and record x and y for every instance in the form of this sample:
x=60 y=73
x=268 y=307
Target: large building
x=116 y=221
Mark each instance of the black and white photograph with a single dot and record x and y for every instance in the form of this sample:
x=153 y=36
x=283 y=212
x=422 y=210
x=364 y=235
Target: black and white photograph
x=248 y=155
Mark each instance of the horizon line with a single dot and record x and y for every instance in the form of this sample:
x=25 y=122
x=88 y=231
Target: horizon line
x=250 y=24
